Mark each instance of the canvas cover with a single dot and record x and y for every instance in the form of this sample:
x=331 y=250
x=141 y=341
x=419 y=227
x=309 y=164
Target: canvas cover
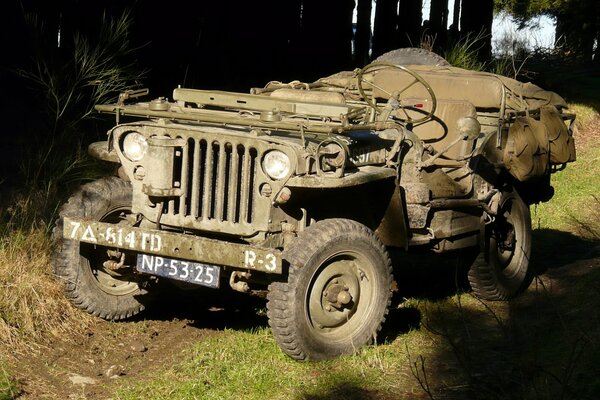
x=482 y=89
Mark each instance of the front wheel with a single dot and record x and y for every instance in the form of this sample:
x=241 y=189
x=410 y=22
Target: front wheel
x=337 y=293
x=502 y=270
x=91 y=285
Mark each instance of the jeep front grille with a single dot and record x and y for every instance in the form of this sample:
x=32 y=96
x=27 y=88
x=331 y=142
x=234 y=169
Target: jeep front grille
x=218 y=180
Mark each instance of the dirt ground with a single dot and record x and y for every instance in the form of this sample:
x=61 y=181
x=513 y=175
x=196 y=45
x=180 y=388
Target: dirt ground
x=92 y=364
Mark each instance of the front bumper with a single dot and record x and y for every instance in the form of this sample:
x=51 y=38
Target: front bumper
x=175 y=245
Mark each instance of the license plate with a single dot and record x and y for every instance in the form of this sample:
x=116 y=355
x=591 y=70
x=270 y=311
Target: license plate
x=187 y=271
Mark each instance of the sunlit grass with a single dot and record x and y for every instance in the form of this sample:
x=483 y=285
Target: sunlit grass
x=578 y=186
x=249 y=365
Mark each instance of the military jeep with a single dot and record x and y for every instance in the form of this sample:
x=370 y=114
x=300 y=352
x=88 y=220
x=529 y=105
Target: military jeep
x=297 y=191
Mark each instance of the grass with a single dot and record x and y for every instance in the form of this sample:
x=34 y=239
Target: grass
x=32 y=303
x=8 y=388
x=63 y=85
x=464 y=53
x=578 y=184
x=249 y=365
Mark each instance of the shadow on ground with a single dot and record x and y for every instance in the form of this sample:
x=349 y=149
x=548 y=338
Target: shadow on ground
x=208 y=309
x=418 y=275
x=555 y=249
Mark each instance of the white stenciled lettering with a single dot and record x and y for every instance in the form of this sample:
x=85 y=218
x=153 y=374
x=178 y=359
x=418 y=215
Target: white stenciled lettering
x=75 y=226
x=130 y=239
x=271 y=264
x=88 y=235
x=155 y=243
x=145 y=240
x=109 y=236
x=249 y=258
x=360 y=155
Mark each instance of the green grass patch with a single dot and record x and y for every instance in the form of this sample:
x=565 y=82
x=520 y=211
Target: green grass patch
x=8 y=388
x=576 y=191
x=249 y=365
x=586 y=114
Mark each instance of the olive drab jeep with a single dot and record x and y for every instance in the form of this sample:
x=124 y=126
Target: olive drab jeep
x=297 y=191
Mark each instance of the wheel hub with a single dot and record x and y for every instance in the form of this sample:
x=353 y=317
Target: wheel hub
x=337 y=294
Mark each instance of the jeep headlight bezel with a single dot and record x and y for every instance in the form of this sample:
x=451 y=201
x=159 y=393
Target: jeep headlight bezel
x=276 y=164
x=134 y=146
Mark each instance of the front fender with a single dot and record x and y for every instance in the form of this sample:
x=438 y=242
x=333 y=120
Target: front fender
x=351 y=178
x=100 y=151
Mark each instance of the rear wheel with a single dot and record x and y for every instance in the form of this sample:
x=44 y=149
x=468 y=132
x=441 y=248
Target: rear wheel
x=502 y=270
x=337 y=293
x=110 y=291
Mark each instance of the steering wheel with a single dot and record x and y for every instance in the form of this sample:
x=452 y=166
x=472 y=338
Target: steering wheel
x=395 y=95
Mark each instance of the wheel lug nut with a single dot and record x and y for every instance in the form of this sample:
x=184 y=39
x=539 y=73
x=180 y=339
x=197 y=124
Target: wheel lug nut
x=344 y=297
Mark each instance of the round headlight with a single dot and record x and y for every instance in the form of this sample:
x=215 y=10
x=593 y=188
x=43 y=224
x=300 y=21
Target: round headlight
x=276 y=164
x=134 y=146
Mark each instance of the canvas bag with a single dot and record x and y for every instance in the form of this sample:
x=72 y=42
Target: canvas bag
x=526 y=154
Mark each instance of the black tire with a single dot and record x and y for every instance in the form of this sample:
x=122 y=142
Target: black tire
x=337 y=293
x=502 y=270
x=107 y=294
x=413 y=56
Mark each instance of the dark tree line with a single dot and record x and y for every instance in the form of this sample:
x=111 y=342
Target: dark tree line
x=401 y=23
x=226 y=44
x=233 y=44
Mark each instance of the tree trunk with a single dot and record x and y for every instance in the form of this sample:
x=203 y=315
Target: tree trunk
x=576 y=32
x=476 y=22
x=567 y=35
x=453 y=34
x=385 y=29
x=410 y=18
x=597 y=53
x=438 y=23
x=362 y=38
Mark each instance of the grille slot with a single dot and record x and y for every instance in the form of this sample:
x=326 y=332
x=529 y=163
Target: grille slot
x=217 y=179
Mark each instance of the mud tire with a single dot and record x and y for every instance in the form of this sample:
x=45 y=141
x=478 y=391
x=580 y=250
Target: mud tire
x=499 y=273
x=328 y=255
x=79 y=265
x=413 y=56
